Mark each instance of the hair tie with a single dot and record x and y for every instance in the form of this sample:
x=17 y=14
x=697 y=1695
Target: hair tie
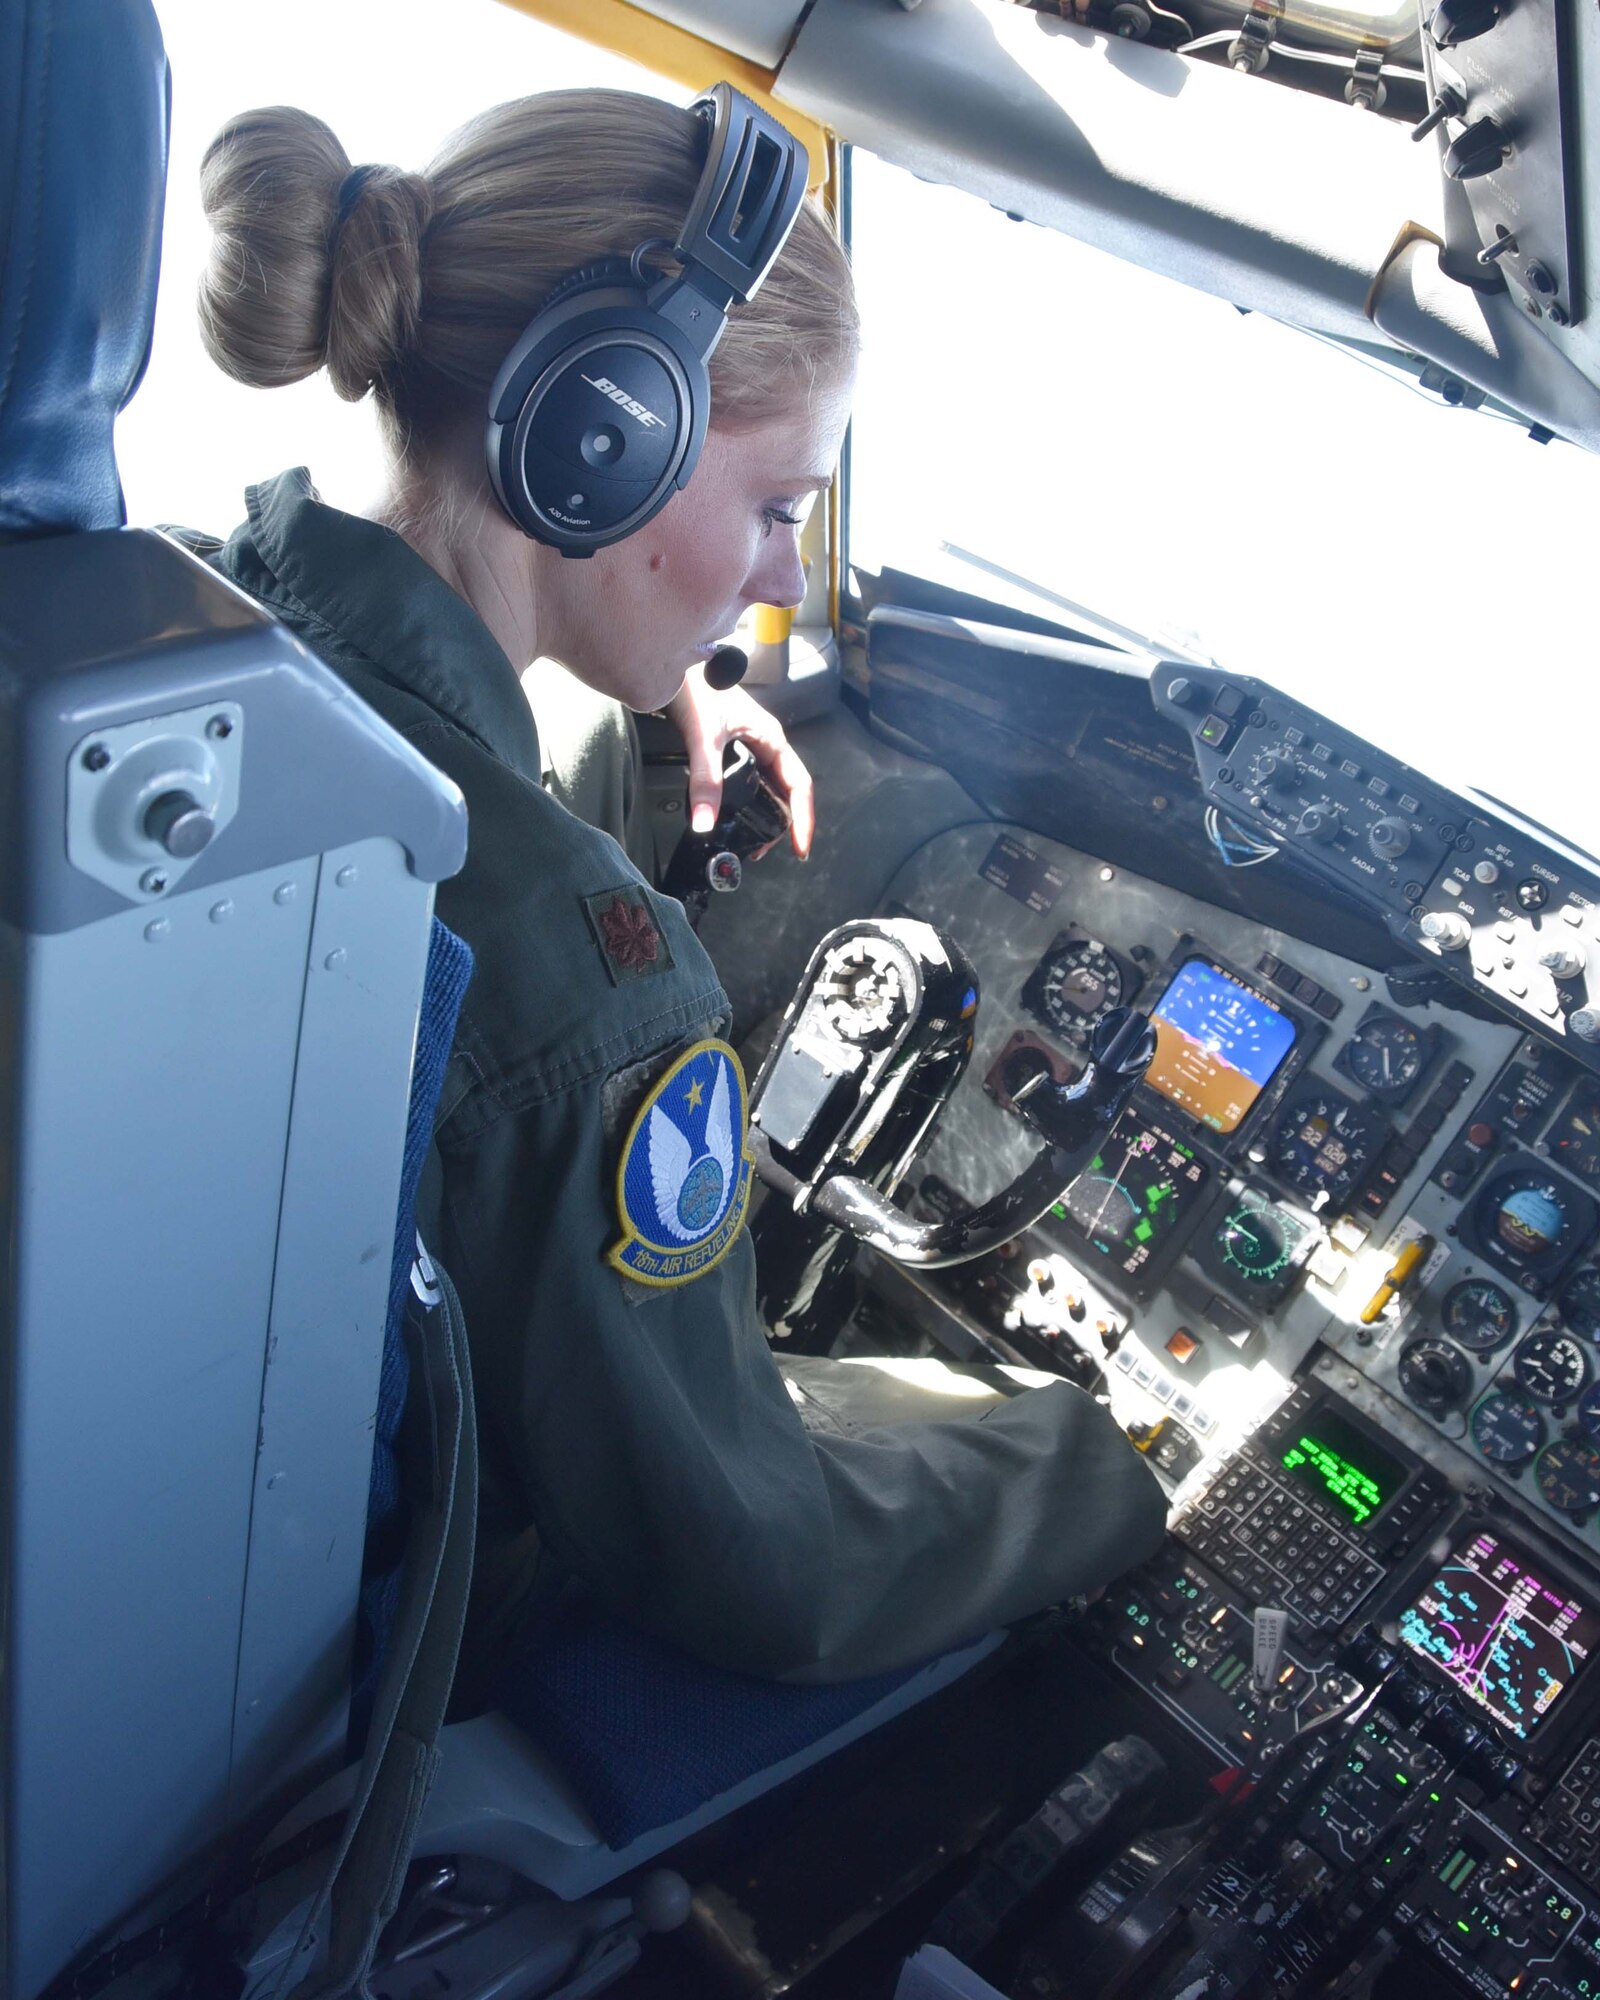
x=350 y=190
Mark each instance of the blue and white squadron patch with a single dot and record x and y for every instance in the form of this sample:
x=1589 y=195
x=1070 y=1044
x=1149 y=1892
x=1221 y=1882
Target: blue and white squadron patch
x=683 y=1183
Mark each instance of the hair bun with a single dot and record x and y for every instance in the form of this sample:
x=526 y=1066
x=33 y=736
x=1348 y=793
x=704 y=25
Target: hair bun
x=313 y=264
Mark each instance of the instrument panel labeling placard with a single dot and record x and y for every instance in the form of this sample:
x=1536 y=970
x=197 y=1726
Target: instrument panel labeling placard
x=1023 y=874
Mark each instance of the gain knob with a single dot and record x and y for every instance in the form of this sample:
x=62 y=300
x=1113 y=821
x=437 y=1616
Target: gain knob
x=1447 y=929
x=1389 y=838
x=1563 y=961
x=1434 y=1374
x=1275 y=773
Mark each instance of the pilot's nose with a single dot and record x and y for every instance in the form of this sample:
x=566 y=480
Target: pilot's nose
x=779 y=576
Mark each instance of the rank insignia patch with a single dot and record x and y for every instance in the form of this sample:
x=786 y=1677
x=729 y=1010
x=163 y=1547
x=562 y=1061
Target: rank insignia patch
x=631 y=941
x=683 y=1182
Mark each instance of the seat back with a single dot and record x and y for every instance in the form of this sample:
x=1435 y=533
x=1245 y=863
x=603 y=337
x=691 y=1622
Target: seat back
x=216 y=881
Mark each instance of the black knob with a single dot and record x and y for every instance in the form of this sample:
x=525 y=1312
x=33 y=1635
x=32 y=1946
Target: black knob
x=1478 y=149
x=179 y=823
x=1319 y=823
x=1185 y=693
x=1389 y=838
x=1455 y=21
x=1434 y=1374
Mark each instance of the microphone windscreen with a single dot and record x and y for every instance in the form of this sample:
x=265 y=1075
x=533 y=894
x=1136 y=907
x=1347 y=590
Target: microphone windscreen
x=726 y=667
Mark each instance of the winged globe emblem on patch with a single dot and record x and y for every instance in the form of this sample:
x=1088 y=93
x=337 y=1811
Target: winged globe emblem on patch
x=691 y=1193
x=683 y=1179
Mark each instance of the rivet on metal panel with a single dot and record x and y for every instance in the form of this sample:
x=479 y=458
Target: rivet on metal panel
x=156 y=931
x=284 y=893
x=220 y=912
x=335 y=958
x=347 y=876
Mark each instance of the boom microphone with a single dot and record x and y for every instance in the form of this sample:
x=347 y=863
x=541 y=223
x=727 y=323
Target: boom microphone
x=726 y=667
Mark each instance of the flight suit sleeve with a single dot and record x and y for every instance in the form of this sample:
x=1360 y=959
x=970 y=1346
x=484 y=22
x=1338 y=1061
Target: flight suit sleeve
x=663 y=1462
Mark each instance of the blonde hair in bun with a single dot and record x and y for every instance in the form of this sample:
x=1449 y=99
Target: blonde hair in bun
x=415 y=286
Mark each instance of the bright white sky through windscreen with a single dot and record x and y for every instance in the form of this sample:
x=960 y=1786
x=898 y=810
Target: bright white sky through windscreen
x=1421 y=574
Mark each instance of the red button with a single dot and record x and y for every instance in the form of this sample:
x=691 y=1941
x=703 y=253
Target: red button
x=1480 y=1135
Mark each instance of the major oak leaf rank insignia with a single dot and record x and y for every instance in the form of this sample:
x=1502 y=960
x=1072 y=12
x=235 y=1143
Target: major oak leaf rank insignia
x=683 y=1182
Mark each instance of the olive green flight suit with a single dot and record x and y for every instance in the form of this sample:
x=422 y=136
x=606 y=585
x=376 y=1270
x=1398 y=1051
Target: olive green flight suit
x=643 y=1439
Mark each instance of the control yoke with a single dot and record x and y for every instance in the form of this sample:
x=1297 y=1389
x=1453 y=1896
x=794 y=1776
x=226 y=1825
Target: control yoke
x=876 y=1038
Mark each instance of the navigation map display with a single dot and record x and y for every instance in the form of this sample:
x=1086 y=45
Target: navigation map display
x=1218 y=1044
x=1509 y=1638
x=1135 y=1200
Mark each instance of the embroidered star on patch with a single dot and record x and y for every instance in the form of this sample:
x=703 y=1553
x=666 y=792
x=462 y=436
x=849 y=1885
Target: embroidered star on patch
x=631 y=942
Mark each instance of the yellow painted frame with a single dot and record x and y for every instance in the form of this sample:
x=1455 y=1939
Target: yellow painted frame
x=683 y=58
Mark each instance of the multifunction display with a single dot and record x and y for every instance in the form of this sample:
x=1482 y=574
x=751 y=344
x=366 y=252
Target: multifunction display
x=1341 y=1464
x=1135 y=1200
x=1219 y=1044
x=1510 y=1638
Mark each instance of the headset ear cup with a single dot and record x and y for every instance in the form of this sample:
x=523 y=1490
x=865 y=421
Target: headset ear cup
x=589 y=277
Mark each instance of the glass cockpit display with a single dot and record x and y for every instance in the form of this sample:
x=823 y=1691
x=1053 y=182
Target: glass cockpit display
x=1136 y=1199
x=1219 y=1044
x=1508 y=1636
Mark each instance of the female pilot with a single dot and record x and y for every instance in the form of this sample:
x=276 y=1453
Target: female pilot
x=636 y=1433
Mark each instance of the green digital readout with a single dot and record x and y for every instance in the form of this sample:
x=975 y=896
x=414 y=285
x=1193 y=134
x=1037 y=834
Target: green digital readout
x=1344 y=1465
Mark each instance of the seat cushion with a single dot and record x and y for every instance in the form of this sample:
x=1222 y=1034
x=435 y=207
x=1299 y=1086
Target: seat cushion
x=646 y=1734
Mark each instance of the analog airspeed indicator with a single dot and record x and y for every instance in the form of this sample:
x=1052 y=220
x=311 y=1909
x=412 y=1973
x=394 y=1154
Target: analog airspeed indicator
x=1076 y=985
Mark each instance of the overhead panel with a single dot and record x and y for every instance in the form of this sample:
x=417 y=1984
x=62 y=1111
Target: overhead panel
x=758 y=30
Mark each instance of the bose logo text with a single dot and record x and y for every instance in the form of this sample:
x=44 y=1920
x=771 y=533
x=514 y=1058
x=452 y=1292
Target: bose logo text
x=609 y=388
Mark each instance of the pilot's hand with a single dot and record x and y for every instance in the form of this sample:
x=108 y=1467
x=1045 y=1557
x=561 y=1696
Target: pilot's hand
x=709 y=719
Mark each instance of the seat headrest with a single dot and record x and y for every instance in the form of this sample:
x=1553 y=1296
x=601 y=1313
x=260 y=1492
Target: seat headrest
x=83 y=167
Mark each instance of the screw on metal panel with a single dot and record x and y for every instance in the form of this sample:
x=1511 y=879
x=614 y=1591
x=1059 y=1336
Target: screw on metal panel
x=96 y=757
x=1540 y=280
x=220 y=727
x=153 y=881
x=1556 y=313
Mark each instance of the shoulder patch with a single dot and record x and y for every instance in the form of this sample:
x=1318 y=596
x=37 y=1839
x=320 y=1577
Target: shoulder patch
x=631 y=942
x=683 y=1182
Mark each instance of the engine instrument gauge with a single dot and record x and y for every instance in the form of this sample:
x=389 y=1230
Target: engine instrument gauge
x=1551 y=1366
x=1506 y=1428
x=1589 y=1411
x=1567 y=1474
x=1434 y=1373
x=1478 y=1314
x=1531 y=1222
x=1387 y=1056
x=1574 y=1138
x=1076 y=985
x=1579 y=1300
x=1323 y=1143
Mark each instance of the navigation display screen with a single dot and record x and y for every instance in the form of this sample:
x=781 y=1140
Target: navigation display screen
x=1136 y=1198
x=1218 y=1044
x=1341 y=1464
x=1508 y=1637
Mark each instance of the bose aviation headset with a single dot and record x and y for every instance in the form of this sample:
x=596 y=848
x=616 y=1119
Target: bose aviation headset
x=598 y=413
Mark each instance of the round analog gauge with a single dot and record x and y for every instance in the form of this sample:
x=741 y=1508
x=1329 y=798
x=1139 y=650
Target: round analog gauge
x=1551 y=1366
x=1575 y=1136
x=1256 y=1241
x=1567 y=1474
x=1478 y=1315
x=1079 y=984
x=1323 y=1144
x=1589 y=1411
x=1385 y=1056
x=1531 y=1222
x=1507 y=1428
x=1434 y=1374
x=1579 y=1301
